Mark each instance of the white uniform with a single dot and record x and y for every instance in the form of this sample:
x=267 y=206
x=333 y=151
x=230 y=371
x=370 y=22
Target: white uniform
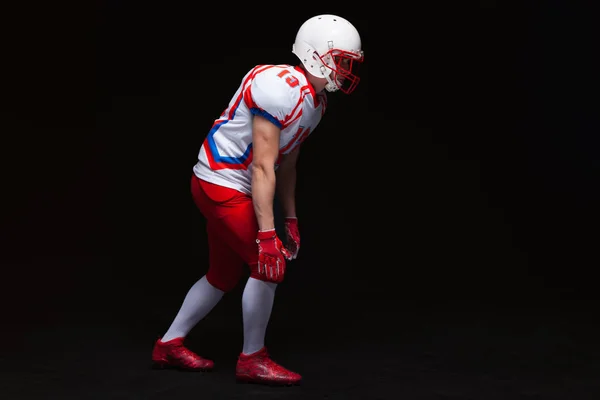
x=280 y=93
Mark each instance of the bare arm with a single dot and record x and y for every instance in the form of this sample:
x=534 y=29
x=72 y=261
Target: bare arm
x=286 y=183
x=265 y=149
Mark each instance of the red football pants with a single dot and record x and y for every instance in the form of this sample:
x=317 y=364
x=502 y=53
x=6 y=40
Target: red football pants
x=231 y=227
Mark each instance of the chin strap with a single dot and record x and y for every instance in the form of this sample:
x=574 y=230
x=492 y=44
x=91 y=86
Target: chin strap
x=331 y=86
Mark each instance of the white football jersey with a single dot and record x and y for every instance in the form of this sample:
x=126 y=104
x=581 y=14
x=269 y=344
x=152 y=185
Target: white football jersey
x=280 y=93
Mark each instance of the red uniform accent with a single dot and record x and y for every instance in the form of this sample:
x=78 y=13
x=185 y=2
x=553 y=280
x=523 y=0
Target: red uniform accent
x=173 y=354
x=293 y=236
x=271 y=256
x=259 y=368
x=232 y=230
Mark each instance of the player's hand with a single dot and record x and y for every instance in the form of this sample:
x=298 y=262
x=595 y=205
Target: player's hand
x=271 y=256
x=292 y=237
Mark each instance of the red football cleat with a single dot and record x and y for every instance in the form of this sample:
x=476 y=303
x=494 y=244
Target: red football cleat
x=173 y=354
x=259 y=368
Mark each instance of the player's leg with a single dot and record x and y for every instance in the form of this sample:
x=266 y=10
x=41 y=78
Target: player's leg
x=239 y=227
x=257 y=302
x=254 y=364
x=225 y=270
x=198 y=302
x=169 y=351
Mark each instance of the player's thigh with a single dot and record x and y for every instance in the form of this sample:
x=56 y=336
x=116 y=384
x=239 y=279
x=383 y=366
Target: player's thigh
x=239 y=226
x=232 y=215
x=225 y=266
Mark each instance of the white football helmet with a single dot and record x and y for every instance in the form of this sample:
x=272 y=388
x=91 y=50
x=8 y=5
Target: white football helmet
x=328 y=43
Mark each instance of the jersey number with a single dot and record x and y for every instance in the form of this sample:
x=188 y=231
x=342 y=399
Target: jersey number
x=291 y=80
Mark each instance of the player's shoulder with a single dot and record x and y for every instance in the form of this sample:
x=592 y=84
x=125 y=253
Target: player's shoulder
x=271 y=71
x=275 y=87
x=282 y=80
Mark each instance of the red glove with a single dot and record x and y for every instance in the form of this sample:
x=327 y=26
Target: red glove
x=293 y=236
x=271 y=256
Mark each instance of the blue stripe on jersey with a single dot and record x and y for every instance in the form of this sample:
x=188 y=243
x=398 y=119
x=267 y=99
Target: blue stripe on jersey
x=264 y=114
x=215 y=151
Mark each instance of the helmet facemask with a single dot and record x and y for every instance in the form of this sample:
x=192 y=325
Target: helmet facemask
x=340 y=68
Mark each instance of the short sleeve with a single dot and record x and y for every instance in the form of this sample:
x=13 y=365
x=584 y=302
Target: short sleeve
x=272 y=97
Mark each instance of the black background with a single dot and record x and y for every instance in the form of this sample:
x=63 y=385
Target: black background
x=461 y=176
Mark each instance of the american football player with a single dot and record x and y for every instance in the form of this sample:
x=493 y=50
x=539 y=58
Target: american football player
x=248 y=157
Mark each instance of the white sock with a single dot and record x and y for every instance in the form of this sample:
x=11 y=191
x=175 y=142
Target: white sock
x=199 y=301
x=257 y=303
